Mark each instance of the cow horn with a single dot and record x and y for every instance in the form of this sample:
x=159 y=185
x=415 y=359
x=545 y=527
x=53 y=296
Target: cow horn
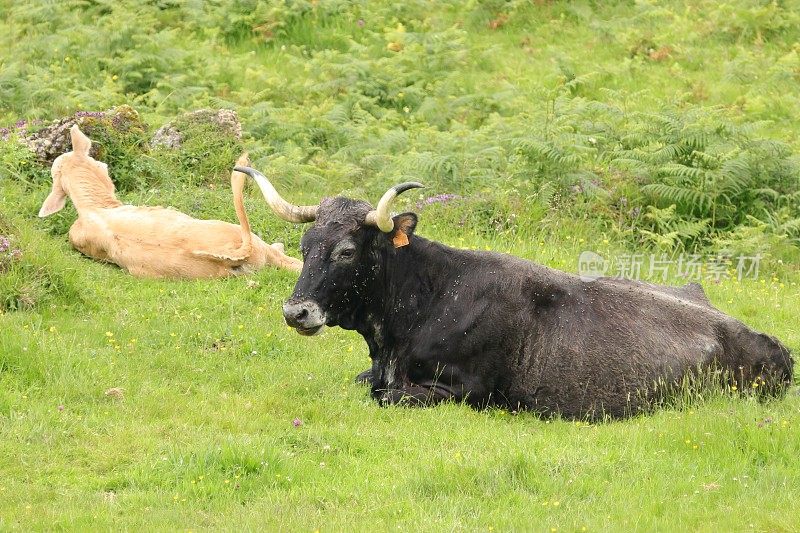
x=380 y=216
x=285 y=210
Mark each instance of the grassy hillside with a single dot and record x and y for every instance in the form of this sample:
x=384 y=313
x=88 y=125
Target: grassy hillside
x=663 y=128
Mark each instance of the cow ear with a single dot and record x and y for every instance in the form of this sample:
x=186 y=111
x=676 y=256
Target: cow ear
x=403 y=228
x=81 y=144
x=405 y=222
x=54 y=202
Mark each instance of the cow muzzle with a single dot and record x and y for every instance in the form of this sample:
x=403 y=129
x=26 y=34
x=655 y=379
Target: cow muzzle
x=306 y=317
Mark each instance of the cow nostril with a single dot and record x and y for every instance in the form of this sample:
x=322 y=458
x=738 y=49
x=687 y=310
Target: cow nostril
x=302 y=314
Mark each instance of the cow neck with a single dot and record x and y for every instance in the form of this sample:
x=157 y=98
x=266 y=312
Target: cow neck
x=88 y=191
x=406 y=282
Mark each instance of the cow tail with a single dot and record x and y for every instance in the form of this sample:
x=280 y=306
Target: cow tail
x=237 y=186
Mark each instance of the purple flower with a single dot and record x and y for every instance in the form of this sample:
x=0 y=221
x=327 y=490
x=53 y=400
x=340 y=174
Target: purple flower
x=16 y=254
x=95 y=114
x=360 y=23
x=635 y=212
x=297 y=422
x=4 y=244
x=438 y=199
x=60 y=407
x=21 y=123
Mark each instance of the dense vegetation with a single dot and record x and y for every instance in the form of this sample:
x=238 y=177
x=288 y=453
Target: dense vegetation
x=540 y=128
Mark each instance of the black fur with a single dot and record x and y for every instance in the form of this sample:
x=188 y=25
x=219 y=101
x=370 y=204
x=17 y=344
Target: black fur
x=492 y=329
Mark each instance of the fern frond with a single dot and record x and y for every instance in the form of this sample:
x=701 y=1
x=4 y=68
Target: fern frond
x=693 y=199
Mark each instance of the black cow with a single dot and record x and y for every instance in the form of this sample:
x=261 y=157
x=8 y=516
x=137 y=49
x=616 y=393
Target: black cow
x=491 y=329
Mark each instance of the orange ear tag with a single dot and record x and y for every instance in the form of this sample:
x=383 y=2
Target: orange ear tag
x=400 y=239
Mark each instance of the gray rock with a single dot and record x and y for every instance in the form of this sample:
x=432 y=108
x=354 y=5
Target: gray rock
x=53 y=140
x=172 y=134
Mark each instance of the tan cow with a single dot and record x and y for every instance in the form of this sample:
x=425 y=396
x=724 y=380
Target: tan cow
x=154 y=242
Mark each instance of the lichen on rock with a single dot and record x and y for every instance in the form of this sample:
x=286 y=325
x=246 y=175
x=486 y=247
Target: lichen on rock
x=175 y=132
x=53 y=140
x=196 y=147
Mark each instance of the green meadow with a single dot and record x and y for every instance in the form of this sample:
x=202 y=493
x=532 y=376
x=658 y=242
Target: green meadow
x=540 y=128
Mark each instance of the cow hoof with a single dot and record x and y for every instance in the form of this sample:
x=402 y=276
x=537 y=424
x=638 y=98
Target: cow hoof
x=386 y=399
x=365 y=377
x=395 y=397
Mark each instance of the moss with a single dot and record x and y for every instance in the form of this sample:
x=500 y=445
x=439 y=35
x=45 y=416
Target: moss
x=118 y=137
x=199 y=147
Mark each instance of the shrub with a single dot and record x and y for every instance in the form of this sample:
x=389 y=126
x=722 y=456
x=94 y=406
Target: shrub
x=206 y=153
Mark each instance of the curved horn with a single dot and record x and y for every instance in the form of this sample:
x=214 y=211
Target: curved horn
x=282 y=208
x=380 y=216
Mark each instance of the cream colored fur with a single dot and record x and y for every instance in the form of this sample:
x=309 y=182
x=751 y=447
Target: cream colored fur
x=154 y=242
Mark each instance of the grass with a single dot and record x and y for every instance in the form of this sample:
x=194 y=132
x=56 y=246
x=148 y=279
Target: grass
x=204 y=437
x=228 y=420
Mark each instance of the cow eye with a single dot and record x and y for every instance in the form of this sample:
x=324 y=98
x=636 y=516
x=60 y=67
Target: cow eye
x=347 y=253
